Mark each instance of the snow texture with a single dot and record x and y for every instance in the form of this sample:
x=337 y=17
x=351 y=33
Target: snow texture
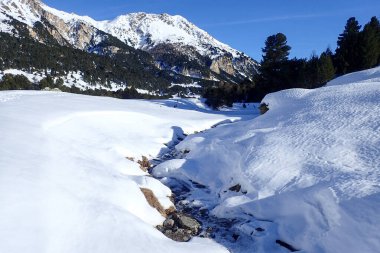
x=309 y=169
x=65 y=182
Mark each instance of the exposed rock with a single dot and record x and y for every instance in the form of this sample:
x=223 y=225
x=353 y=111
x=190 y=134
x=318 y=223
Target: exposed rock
x=144 y=163
x=263 y=108
x=186 y=222
x=286 y=245
x=171 y=209
x=168 y=223
x=180 y=235
x=224 y=64
x=235 y=188
x=153 y=201
x=180 y=227
x=235 y=236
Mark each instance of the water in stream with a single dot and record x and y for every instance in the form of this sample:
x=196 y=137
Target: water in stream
x=197 y=201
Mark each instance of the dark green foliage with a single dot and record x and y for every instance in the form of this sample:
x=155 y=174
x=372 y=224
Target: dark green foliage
x=276 y=49
x=358 y=50
x=348 y=52
x=273 y=66
x=326 y=69
x=16 y=82
x=225 y=94
x=370 y=44
x=219 y=95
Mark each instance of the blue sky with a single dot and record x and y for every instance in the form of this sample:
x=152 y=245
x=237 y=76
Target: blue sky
x=310 y=25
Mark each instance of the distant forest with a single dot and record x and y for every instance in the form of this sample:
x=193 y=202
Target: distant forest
x=133 y=68
x=357 y=49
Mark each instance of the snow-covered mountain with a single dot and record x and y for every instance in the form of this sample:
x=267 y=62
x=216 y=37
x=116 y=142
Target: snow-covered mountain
x=175 y=43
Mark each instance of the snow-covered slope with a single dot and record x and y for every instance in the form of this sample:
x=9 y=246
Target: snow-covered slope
x=65 y=182
x=309 y=169
x=370 y=75
x=144 y=31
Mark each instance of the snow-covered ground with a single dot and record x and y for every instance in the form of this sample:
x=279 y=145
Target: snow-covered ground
x=72 y=78
x=306 y=173
x=309 y=169
x=65 y=182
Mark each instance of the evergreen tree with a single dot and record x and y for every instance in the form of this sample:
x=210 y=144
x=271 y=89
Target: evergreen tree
x=16 y=82
x=275 y=57
x=370 y=44
x=312 y=72
x=276 y=50
x=326 y=70
x=347 y=52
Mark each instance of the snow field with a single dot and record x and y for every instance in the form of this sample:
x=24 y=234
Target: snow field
x=309 y=169
x=65 y=182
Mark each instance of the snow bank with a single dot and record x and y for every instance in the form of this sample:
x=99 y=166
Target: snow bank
x=65 y=182
x=370 y=75
x=309 y=169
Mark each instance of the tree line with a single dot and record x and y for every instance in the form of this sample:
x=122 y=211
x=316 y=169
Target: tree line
x=357 y=49
x=20 y=82
x=128 y=67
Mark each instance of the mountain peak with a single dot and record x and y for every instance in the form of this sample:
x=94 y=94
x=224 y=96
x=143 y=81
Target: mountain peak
x=172 y=40
x=21 y=2
x=25 y=11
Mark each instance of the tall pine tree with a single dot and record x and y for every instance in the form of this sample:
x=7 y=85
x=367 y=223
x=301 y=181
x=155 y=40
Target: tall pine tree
x=275 y=57
x=348 y=50
x=370 y=44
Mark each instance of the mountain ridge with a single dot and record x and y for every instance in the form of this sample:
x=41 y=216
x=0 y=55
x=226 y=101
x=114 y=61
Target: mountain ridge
x=175 y=44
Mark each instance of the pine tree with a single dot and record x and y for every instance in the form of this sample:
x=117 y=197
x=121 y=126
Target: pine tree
x=370 y=44
x=275 y=56
x=348 y=51
x=326 y=70
x=276 y=50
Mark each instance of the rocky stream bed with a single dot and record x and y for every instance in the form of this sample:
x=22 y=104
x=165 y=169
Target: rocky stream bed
x=194 y=202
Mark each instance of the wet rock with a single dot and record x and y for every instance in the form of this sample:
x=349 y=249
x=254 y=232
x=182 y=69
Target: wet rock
x=168 y=223
x=187 y=222
x=180 y=235
x=235 y=236
x=180 y=227
x=235 y=188
x=160 y=228
x=260 y=229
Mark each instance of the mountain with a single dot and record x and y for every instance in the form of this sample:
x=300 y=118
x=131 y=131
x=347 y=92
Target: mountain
x=162 y=35
x=162 y=48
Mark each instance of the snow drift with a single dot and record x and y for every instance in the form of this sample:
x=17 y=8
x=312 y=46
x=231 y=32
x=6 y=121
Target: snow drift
x=65 y=182
x=309 y=169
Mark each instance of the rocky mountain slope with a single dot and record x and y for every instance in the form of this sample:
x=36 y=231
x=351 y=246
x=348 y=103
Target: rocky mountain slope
x=175 y=45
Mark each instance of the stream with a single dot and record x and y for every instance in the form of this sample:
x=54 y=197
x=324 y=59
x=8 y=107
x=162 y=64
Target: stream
x=197 y=201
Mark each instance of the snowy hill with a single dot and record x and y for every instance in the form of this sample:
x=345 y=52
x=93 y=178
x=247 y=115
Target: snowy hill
x=306 y=173
x=163 y=36
x=65 y=182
